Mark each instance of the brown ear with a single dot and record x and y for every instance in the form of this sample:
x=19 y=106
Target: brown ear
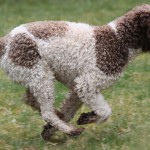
x=144 y=20
x=148 y=30
x=145 y=28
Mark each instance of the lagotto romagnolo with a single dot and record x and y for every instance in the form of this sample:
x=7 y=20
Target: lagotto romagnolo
x=85 y=58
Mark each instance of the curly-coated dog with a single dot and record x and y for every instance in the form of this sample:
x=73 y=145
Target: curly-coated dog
x=85 y=58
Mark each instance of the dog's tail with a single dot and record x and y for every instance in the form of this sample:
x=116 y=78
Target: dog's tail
x=2 y=46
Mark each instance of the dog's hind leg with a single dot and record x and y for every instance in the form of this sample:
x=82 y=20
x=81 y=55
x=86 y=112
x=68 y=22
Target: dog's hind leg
x=30 y=100
x=68 y=109
x=70 y=106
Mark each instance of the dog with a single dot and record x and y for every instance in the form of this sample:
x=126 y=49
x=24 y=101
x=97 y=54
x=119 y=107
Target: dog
x=85 y=58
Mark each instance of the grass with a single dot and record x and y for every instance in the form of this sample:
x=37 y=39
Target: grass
x=129 y=126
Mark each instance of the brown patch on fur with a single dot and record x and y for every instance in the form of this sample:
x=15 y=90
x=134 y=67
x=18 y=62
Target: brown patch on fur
x=70 y=106
x=133 y=26
x=133 y=31
x=148 y=30
x=2 y=45
x=23 y=51
x=45 y=29
x=146 y=40
x=111 y=54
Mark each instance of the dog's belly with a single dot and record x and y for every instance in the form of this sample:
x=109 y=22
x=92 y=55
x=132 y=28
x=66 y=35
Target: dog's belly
x=66 y=74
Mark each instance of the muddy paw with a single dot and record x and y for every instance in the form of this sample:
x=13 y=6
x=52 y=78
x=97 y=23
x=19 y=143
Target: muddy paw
x=87 y=118
x=76 y=132
x=47 y=132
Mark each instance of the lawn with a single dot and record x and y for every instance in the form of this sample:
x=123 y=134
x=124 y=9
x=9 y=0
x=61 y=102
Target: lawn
x=129 y=126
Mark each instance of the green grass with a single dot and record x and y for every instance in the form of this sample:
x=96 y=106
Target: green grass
x=129 y=126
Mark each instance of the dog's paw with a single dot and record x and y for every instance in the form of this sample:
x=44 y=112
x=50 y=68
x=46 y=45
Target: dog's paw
x=76 y=132
x=103 y=113
x=46 y=133
x=87 y=118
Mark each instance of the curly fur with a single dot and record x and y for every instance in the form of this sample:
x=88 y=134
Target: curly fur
x=85 y=58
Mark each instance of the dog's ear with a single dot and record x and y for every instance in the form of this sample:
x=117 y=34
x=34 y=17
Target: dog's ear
x=144 y=18
x=148 y=29
x=145 y=28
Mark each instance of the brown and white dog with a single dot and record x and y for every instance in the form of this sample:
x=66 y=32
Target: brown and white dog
x=85 y=58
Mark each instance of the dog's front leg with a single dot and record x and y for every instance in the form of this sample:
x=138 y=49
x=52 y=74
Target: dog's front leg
x=88 y=92
x=100 y=112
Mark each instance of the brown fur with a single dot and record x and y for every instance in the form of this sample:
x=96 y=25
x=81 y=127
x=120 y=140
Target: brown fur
x=132 y=28
x=133 y=32
x=148 y=30
x=87 y=118
x=69 y=108
x=23 y=51
x=146 y=41
x=111 y=55
x=46 y=29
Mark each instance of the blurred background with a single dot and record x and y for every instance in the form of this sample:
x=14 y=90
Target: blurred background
x=129 y=126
